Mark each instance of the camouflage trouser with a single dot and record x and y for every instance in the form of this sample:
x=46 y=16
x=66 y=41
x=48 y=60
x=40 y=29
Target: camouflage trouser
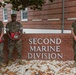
x=1 y=52
x=74 y=47
x=17 y=45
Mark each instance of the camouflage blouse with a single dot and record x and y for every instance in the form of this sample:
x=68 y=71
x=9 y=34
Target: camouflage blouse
x=1 y=27
x=13 y=27
x=74 y=27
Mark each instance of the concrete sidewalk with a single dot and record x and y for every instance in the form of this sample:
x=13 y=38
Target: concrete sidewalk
x=39 y=67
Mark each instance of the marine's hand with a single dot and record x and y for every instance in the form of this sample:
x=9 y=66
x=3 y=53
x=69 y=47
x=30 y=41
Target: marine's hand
x=17 y=38
x=75 y=38
x=0 y=38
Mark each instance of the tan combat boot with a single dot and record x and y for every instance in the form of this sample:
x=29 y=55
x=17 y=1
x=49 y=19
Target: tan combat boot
x=10 y=62
x=20 y=62
x=74 y=64
x=2 y=64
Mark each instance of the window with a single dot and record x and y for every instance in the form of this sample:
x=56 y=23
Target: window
x=5 y=17
x=13 y=11
x=24 y=15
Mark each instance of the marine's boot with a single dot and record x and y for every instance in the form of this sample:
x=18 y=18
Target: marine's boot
x=10 y=62
x=20 y=62
x=3 y=64
x=74 y=64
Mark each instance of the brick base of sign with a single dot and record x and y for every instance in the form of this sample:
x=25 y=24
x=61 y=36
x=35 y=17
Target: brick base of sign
x=44 y=47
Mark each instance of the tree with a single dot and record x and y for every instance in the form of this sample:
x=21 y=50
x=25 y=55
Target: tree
x=22 y=4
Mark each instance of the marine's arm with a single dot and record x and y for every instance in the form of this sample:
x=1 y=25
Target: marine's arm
x=72 y=32
x=2 y=33
x=20 y=31
x=7 y=31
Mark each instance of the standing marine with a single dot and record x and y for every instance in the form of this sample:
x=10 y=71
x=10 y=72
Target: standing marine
x=73 y=31
x=1 y=44
x=14 y=32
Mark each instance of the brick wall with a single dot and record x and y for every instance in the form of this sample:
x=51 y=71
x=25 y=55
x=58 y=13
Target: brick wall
x=51 y=11
x=65 y=47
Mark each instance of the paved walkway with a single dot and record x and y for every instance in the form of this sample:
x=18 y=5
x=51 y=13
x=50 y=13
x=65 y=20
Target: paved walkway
x=39 y=67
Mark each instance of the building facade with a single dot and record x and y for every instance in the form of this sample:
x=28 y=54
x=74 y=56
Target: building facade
x=50 y=17
x=54 y=17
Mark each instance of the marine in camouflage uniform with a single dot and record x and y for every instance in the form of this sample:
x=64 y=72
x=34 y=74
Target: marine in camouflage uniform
x=74 y=39
x=14 y=31
x=1 y=43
